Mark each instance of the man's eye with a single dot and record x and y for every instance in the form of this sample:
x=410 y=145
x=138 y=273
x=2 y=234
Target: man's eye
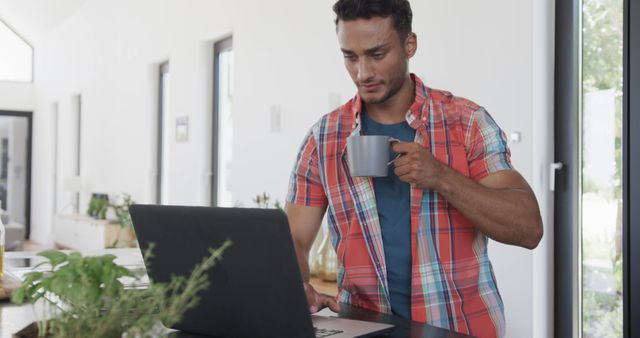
x=378 y=56
x=350 y=57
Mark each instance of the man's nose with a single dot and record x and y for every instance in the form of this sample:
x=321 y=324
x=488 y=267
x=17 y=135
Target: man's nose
x=365 y=72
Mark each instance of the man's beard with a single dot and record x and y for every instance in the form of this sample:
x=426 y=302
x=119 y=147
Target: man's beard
x=395 y=87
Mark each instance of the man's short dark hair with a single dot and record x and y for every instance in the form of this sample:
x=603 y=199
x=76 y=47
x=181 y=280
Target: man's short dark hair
x=399 y=10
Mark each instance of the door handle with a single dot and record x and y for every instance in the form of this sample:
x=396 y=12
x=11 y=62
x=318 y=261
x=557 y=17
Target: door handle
x=552 y=174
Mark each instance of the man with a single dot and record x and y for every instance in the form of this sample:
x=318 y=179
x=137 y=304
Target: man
x=413 y=243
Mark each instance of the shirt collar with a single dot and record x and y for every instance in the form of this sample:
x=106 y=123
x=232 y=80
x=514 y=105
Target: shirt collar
x=417 y=114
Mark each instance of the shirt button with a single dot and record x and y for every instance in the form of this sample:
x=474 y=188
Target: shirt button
x=424 y=118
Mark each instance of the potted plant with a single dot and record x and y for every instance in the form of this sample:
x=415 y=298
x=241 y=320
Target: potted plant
x=94 y=300
x=123 y=218
x=98 y=206
x=263 y=201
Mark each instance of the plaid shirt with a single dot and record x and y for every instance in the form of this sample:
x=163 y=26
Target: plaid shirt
x=452 y=284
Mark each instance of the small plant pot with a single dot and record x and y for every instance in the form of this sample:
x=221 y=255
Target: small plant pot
x=31 y=331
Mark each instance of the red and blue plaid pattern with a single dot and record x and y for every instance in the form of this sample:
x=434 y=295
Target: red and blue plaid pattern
x=453 y=285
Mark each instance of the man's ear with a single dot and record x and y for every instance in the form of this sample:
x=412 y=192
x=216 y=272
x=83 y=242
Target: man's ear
x=411 y=45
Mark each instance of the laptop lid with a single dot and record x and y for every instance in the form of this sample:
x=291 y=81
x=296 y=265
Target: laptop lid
x=254 y=291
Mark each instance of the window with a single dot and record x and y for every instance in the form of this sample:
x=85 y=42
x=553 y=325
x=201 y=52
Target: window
x=594 y=213
x=16 y=56
x=56 y=118
x=222 y=123
x=164 y=133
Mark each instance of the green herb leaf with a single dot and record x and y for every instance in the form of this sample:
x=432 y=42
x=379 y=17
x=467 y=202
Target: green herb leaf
x=18 y=296
x=55 y=257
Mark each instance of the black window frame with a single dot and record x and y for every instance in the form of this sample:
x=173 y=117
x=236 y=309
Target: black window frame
x=631 y=170
x=566 y=151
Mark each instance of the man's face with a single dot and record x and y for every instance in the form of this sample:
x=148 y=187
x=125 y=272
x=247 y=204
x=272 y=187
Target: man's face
x=375 y=56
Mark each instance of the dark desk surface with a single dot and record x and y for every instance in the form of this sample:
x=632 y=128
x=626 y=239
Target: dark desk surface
x=404 y=328
x=13 y=318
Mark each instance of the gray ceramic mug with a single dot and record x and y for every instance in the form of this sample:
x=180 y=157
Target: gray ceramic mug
x=369 y=155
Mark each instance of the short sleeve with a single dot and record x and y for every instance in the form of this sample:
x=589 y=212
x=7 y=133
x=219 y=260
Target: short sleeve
x=305 y=186
x=487 y=150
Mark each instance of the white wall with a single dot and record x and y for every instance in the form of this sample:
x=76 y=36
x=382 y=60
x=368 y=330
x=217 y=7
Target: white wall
x=494 y=52
x=499 y=53
x=17 y=96
x=543 y=155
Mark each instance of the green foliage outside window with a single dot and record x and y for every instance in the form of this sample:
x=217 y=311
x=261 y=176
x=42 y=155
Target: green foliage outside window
x=602 y=49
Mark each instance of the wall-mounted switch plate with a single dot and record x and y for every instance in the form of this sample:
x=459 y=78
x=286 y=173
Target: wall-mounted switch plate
x=515 y=136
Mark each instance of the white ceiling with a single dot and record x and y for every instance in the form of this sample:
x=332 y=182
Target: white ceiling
x=32 y=19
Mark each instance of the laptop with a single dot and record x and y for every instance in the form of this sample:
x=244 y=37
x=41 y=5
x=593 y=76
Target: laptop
x=255 y=290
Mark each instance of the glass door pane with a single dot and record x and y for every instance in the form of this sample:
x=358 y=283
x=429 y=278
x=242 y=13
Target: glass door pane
x=601 y=172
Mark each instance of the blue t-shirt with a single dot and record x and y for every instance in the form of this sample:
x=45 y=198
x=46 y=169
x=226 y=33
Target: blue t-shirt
x=393 y=198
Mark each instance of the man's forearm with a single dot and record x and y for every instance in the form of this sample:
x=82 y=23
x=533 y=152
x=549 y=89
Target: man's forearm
x=303 y=262
x=304 y=222
x=510 y=216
